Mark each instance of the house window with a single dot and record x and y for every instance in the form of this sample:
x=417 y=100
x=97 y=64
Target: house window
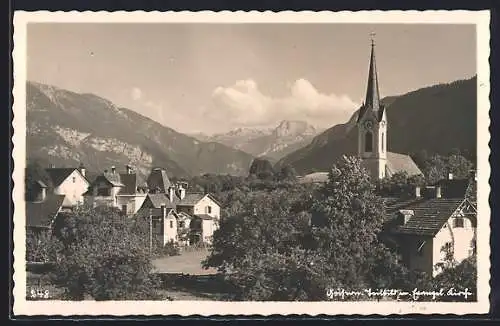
x=368 y=141
x=124 y=209
x=171 y=224
x=181 y=224
x=74 y=179
x=420 y=248
x=103 y=192
x=458 y=223
x=154 y=223
x=209 y=210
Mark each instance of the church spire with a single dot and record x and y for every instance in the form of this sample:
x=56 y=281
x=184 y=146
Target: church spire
x=372 y=94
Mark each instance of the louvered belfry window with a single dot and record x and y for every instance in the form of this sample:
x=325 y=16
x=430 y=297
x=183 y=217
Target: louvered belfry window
x=368 y=141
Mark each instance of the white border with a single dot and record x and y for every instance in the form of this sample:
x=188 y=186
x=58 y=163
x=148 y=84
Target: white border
x=121 y=308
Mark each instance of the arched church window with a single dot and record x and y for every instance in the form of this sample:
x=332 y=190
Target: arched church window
x=383 y=143
x=368 y=141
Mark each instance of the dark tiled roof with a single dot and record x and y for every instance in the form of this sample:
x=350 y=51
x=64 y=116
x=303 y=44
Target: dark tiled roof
x=155 y=212
x=191 y=199
x=400 y=162
x=41 y=214
x=160 y=199
x=58 y=175
x=454 y=188
x=429 y=216
x=132 y=184
x=158 y=179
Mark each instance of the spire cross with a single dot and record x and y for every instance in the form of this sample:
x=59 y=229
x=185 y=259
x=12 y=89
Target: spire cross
x=372 y=36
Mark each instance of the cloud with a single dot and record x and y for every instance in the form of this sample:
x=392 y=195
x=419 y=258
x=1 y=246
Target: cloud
x=136 y=93
x=243 y=104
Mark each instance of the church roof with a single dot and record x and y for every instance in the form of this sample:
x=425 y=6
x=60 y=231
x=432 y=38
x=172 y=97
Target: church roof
x=372 y=100
x=401 y=163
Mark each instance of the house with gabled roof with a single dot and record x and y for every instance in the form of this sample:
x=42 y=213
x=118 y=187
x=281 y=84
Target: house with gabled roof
x=188 y=206
x=126 y=191
x=435 y=223
x=70 y=182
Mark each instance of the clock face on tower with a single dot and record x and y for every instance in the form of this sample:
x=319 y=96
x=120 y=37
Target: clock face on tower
x=368 y=124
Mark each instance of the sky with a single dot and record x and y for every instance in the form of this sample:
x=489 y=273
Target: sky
x=212 y=78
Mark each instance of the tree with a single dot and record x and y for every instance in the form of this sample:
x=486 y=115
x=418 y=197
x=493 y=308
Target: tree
x=286 y=173
x=294 y=243
x=261 y=168
x=104 y=256
x=41 y=247
x=400 y=184
x=438 y=167
x=351 y=217
x=258 y=247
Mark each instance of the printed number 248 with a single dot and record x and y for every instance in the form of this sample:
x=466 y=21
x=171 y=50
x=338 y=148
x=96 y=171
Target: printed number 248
x=39 y=294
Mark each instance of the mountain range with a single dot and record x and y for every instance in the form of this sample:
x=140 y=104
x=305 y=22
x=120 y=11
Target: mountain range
x=434 y=119
x=271 y=143
x=66 y=128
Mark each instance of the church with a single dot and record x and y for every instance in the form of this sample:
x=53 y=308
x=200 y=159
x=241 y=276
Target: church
x=372 y=127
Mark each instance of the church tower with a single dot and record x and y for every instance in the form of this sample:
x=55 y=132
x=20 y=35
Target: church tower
x=372 y=126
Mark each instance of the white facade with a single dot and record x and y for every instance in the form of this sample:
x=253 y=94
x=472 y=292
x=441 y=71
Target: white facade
x=73 y=187
x=130 y=204
x=169 y=228
x=207 y=206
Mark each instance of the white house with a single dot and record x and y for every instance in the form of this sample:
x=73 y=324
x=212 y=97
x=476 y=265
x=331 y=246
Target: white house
x=429 y=226
x=125 y=191
x=70 y=182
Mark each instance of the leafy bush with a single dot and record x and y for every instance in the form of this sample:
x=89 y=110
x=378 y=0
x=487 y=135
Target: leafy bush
x=104 y=256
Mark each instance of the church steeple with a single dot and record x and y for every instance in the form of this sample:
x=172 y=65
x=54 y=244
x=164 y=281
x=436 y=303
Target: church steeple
x=372 y=125
x=372 y=100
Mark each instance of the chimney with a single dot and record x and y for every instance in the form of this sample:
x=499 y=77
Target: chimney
x=163 y=210
x=128 y=168
x=438 y=191
x=113 y=169
x=171 y=192
x=417 y=192
x=405 y=215
x=82 y=169
x=450 y=176
x=182 y=191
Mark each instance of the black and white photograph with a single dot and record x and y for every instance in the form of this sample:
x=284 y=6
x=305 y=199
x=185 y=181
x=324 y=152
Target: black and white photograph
x=224 y=163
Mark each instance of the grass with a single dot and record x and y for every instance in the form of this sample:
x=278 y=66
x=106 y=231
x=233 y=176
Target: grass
x=188 y=262
x=183 y=278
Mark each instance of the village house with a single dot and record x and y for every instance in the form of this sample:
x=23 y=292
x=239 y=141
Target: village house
x=197 y=214
x=125 y=191
x=439 y=221
x=163 y=223
x=70 y=182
